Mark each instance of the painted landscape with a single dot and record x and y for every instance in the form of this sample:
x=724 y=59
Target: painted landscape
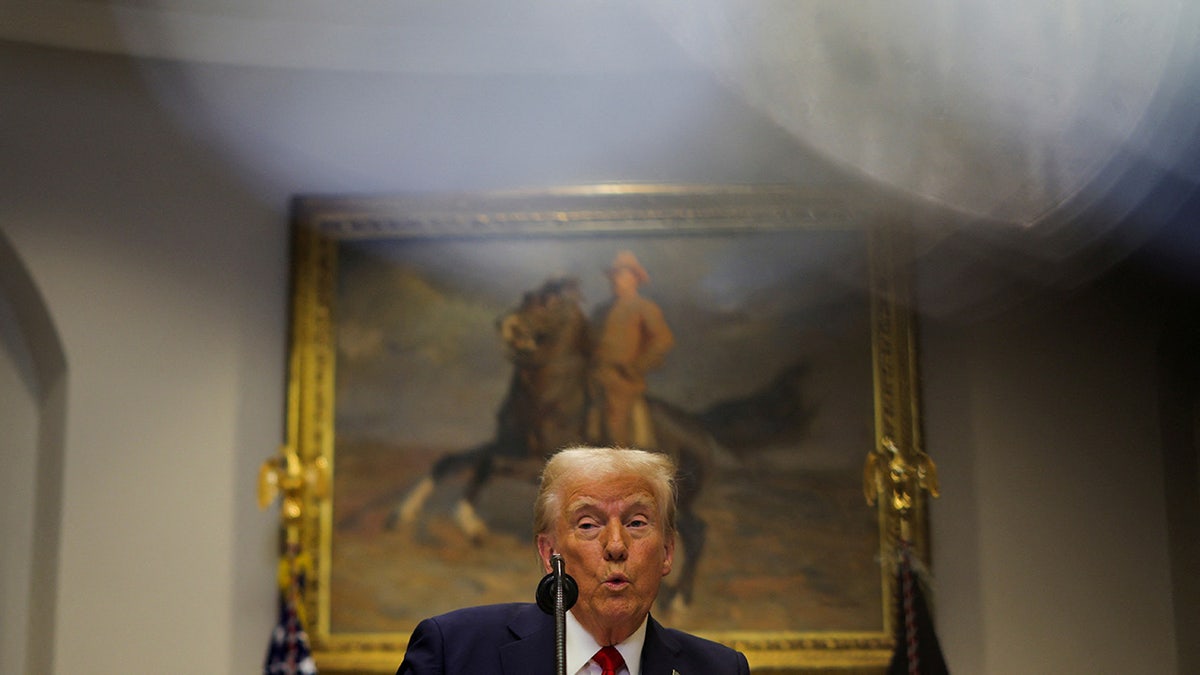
x=772 y=361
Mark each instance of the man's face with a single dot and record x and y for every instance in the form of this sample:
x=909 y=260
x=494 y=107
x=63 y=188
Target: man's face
x=624 y=282
x=612 y=542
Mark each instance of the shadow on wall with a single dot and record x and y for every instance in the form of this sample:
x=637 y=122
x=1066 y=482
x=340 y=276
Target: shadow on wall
x=28 y=335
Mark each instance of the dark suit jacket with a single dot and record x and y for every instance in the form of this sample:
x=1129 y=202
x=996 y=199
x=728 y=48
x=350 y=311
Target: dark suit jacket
x=518 y=639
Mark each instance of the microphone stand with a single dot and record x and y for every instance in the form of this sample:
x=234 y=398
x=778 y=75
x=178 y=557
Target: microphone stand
x=557 y=593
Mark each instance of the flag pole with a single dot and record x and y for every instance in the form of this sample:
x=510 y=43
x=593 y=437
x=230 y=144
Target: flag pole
x=897 y=480
x=299 y=478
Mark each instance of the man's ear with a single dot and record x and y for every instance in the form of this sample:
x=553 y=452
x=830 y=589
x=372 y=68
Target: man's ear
x=669 y=559
x=545 y=546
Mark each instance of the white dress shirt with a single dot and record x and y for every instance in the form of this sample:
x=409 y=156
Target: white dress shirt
x=581 y=646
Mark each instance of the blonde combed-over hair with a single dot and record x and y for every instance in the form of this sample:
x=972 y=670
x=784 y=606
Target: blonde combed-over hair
x=598 y=464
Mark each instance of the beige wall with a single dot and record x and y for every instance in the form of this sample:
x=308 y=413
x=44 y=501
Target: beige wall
x=1050 y=542
x=148 y=203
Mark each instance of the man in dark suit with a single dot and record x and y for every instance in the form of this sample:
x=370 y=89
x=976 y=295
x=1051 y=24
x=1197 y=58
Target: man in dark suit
x=610 y=514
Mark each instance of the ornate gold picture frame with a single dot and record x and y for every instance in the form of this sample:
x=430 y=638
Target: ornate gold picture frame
x=794 y=357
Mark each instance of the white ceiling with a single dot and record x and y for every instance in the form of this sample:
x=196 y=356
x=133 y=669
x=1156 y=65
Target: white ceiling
x=1000 y=110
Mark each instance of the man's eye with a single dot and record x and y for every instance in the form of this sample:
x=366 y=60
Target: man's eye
x=638 y=522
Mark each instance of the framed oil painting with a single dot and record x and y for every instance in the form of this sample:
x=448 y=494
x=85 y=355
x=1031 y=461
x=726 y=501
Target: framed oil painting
x=792 y=358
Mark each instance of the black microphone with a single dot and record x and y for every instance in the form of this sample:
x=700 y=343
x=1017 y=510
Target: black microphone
x=556 y=593
x=547 y=590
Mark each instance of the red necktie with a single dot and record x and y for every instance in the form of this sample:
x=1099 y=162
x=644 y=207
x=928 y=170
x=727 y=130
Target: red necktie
x=609 y=659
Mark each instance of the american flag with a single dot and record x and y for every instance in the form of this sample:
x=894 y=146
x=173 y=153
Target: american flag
x=288 y=652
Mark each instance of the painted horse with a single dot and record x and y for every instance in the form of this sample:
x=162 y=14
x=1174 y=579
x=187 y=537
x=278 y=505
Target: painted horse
x=546 y=338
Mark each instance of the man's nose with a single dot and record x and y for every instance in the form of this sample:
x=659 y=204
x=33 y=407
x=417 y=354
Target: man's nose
x=615 y=543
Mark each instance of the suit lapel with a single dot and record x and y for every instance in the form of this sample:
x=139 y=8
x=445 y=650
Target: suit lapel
x=660 y=652
x=532 y=650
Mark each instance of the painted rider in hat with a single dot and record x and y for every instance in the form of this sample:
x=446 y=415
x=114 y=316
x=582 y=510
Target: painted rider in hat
x=632 y=339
